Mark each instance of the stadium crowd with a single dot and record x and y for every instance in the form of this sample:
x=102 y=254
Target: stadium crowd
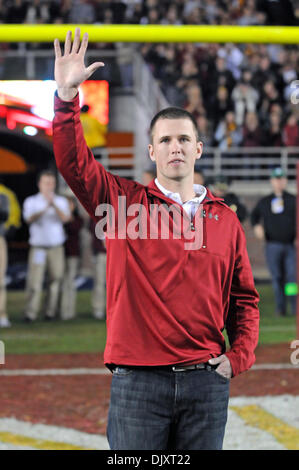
x=240 y=94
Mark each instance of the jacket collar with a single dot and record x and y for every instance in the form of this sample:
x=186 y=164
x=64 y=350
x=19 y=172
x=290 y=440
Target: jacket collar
x=153 y=189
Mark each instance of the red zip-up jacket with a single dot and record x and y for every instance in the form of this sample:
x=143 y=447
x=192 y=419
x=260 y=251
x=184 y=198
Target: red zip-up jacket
x=165 y=304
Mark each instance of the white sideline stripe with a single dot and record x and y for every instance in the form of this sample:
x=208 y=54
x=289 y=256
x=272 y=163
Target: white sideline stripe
x=105 y=371
x=275 y=366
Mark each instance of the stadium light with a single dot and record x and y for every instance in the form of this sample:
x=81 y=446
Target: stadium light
x=153 y=33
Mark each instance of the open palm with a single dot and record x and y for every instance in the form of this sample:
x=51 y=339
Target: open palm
x=70 y=70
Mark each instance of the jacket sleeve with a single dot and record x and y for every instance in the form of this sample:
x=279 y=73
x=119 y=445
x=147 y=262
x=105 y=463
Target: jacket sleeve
x=256 y=214
x=242 y=323
x=87 y=178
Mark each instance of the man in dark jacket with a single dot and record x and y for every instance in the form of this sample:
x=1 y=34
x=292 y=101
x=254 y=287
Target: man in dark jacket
x=220 y=188
x=274 y=220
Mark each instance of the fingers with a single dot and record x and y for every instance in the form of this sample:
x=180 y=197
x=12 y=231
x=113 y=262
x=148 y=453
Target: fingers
x=76 y=43
x=93 y=67
x=57 y=49
x=68 y=43
x=217 y=360
x=84 y=44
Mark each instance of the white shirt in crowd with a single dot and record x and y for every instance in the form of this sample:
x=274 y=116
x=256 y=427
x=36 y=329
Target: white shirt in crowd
x=47 y=230
x=190 y=206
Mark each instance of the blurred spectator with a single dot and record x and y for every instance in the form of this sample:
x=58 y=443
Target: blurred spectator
x=273 y=135
x=16 y=11
x=189 y=73
x=220 y=188
x=278 y=12
x=13 y=223
x=252 y=132
x=210 y=9
x=98 y=298
x=249 y=16
x=45 y=213
x=10 y=222
x=289 y=74
x=72 y=258
x=171 y=17
x=81 y=11
x=205 y=130
x=221 y=76
x=274 y=221
x=234 y=58
x=3 y=11
x=37 y=12
x=290 y=133
x=153 y=17
x=269 y=96
x=125 y=63
x=118 y=11
x=4 y=212
x=169 y=74
x=228 y=133
x=264 y=72
x=134 y=13
x=194 y=103
x=245 y=99
x=221 y=103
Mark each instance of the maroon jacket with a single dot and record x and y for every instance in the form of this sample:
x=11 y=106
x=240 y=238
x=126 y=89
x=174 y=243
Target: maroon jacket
x=165 y=304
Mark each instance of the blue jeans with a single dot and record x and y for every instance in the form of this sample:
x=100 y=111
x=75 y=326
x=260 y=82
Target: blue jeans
x=159 y=409
x=281 y=261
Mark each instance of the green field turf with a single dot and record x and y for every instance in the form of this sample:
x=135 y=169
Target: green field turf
x=85 y=334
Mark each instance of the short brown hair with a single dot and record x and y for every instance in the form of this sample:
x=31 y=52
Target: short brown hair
x=173 y=113
x=48 y=172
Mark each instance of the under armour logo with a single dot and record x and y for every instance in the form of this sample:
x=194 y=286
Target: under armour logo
x=210 y=215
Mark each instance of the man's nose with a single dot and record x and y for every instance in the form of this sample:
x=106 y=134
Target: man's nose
x=175 y=146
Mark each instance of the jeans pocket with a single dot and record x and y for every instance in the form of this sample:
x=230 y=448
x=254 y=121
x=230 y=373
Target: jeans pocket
x=122 y=371
x=220 y=376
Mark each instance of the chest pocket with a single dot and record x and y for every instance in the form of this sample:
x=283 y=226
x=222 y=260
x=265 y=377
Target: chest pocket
x=215 y=236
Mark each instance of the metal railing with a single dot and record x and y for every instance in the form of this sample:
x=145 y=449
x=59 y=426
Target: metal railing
x=238 y=163
x=249 y=162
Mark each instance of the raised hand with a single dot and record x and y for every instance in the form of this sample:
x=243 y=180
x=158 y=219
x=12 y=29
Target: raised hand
x=70 y=70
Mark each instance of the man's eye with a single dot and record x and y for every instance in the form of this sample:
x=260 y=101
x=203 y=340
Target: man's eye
x=165 y=139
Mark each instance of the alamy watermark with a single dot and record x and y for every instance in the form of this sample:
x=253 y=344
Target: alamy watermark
x=152 y=222
x=2 y=353
x=294 y=357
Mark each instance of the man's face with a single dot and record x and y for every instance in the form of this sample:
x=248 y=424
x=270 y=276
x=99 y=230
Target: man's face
x=175 y=148
x=47 y=184
x=279 y=184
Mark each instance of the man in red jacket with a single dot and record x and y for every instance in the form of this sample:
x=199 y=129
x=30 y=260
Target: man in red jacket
x=169 y=296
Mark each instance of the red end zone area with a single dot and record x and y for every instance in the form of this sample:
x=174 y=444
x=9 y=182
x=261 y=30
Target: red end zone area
x=71 y=392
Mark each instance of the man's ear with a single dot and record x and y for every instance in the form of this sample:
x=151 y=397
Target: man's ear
x=151 y=152
x=199 y=147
